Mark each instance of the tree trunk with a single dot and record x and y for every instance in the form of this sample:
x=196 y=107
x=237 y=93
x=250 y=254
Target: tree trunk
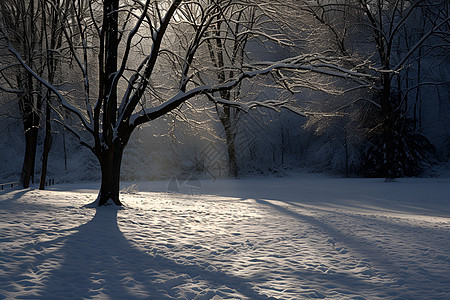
x=110 y=162
x=230 y=134
x=47 y=145
x=30 y=120
x=388 y=130
x=31 y=135
x=109 y=148
x=229 y=122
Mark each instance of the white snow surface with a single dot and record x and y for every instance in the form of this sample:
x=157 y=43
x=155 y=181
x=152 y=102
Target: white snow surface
x=266 y=238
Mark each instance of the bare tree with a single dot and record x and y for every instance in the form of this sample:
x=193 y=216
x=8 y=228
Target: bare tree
x=20 y=19
x=52 y=39
x=33 y=27
x=272 y=27
x=226 y=49
x=381 y=31
x=226 y=40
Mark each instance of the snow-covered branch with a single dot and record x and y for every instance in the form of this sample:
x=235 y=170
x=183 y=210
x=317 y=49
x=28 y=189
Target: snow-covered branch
x=257 y=69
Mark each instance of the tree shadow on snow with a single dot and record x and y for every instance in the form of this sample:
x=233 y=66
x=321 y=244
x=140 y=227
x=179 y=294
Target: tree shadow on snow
x=97 y=260
x=363 y=249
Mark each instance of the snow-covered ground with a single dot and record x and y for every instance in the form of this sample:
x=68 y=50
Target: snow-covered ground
x=281 y=238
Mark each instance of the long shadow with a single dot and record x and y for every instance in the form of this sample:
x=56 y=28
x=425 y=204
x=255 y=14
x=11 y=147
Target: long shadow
x=364 y=248
x=378 y=257
x=98 y=260
x=95 y=259
x=17 y=195
x=373 y=219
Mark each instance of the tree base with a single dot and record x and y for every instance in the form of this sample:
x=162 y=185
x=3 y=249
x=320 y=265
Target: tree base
x=109 y=203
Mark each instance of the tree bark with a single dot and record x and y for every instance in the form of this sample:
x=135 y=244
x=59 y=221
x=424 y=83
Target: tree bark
x=47 y=145
x=109 y=149
x=229 y=122
x=29 y=103
x=231 y=149
x=31 y=135
x=30 y=123
x=110 y=162
x=388 y=130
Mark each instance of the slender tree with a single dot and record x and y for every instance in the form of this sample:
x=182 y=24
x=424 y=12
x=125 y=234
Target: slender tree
x=20 y=19
x=33 y=28
x=52 y=43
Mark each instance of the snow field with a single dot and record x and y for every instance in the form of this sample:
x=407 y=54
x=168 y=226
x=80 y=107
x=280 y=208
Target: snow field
x=289 y=238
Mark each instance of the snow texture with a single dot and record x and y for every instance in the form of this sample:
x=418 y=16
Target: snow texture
x=266 y=238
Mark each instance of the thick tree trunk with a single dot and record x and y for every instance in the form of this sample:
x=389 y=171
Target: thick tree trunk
x=109 y=148
x=110 y=162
